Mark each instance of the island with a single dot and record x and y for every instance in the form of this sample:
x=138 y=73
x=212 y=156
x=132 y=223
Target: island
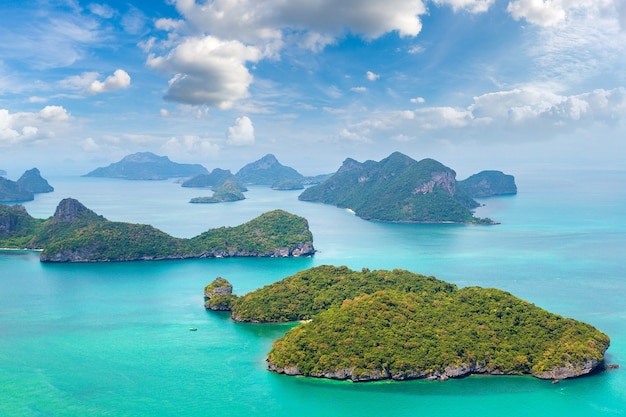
x=287 y=185
x=25 y=188
x=397 y=189
x=398 y=325
x=147 y=166
x=77 y=234
x=214 y=180
x=488 y=184
x=267 y=171
x=229 y=191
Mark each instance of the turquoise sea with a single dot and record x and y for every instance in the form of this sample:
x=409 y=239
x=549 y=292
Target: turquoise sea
x=113 y=339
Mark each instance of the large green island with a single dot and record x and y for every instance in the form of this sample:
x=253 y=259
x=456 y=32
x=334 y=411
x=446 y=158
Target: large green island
x=400 y=189
x=374 y=325
x=76 y=234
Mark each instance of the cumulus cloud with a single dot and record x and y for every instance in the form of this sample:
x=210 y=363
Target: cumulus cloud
x=358 y=89
x=26 y=126
x=207 y=70
x=417 y=100
x=525 y=111
x=118 y=81
x=473 y=6
x=208 y=52
x=184 y=146
x=372 y=76
x=539 y=12
x=259 y=22
x=241 y=133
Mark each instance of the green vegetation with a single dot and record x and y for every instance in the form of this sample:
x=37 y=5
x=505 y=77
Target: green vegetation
x=218 y=295
x=372 y=325
x=228 y=191
x=396 y=189
x=77 y=234
x=309 y=292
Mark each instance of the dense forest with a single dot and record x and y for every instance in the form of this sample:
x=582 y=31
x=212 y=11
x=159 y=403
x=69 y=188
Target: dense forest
x=77 y=234
x=371 y=325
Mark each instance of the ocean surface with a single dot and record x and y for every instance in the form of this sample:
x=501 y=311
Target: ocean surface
x=113 y=339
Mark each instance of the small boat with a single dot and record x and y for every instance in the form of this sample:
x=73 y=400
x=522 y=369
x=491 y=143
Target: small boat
x=193 y=329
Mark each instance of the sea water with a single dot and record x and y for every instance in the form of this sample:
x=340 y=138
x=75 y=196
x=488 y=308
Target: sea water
x=113 y=339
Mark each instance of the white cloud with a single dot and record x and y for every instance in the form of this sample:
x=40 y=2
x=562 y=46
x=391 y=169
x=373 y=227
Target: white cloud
x=190 y=147
x=210 y=65
x=473 y=6
x=372 y=76
x=525 y=113
x=241 y=133
x=29 y=126
x=260 y=22
x=119 y=80
x=417 y=100
x=207 y=71
x=102 y=10
x=164 y=112
x=538 y=12
x=358 y=89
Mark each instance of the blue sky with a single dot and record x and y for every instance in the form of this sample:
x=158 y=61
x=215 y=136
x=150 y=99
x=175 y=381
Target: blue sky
x=476 y=84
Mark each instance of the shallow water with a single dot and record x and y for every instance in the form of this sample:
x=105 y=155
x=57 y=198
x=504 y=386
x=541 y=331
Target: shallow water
x=113 y=339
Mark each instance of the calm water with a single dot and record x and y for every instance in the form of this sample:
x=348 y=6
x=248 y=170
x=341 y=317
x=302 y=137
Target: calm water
x=113 y=339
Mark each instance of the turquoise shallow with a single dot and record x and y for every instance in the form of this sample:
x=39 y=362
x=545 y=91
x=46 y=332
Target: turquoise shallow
x=113 y=339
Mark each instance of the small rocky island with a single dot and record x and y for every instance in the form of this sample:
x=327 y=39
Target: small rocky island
x=25 y=188
x=375 y=325
x=230 y=190
x=398 y=189
x=76 y=234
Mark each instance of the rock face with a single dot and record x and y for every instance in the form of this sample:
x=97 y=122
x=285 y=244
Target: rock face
x=147 y=166
x=489 y=184
x=218 y=295
x=32 y=181
x=71 y=210
x=267 y=171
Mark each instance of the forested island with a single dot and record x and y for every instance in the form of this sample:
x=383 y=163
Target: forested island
x=398 y=189
x=147 y=166
x=77 y=234
x=373 y=325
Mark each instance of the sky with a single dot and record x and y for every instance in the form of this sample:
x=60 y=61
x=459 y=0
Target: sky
x=514 y=85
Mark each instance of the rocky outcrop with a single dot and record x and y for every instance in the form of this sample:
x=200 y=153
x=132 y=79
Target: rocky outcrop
x=570 y=370
x=452 y=371
x=218 y=295
x=32 y=181
x=71 y=210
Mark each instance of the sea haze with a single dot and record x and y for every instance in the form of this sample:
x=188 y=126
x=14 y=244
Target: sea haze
x=113 y=339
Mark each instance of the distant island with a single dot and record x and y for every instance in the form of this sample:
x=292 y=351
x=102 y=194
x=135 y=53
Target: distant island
x=76 y=234
x=25 y=188
x=375 y=325
x=147 y=166
x=397 y=189
x=215 y=179
x=228 y=191
x=488 y=184
x=267 y=171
